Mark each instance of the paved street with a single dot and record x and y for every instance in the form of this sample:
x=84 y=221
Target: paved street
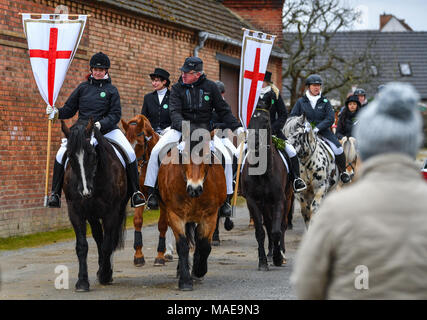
x=232 y=274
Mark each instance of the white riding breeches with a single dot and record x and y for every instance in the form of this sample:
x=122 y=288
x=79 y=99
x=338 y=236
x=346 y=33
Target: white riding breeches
x=337 y=151
x=172 y=136
x=115 y=136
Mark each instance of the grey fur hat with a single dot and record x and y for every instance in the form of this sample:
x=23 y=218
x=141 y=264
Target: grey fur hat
x=390 y=123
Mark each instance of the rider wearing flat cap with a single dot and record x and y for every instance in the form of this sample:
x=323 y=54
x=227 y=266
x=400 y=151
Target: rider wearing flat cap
x=193 y=98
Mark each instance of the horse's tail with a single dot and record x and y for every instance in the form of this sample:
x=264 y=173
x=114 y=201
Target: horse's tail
x=120 y=232
x=190 y=233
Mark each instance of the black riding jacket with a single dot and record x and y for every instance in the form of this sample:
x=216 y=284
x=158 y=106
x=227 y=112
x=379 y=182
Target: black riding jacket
x=96 y=99
x=157 y=113
x=345 y=125
x=195 y=103
x=322 y=116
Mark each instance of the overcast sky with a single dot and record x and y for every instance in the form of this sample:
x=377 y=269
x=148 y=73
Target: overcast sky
x=412 y=11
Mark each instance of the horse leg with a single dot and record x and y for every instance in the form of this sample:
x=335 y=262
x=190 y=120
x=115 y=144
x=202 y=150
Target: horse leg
x=138 y=259
x=169 y=245
x=277 y=232
x=305 y=204
x=111 y=224
x=259 y=233
x=270 y=247
x=97 y=234
x=79 y=225
x=162 y=226
x=318 y=197
x=215 y=236
x=204 y=233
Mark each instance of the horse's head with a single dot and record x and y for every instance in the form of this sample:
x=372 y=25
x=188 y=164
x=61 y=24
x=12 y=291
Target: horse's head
x=197 y=160
x=260 y=122
x=138 y=131
x=295 y=131
x=81 y=154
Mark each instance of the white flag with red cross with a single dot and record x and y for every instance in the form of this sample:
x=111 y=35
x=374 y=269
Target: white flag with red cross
x=53 y=40
x=256 y=49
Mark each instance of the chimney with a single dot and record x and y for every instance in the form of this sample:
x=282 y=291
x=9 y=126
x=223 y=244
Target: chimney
x=265 y=15
x=384 y=18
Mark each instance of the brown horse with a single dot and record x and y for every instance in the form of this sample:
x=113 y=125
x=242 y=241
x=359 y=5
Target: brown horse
x=143 y=138
x=192 y=193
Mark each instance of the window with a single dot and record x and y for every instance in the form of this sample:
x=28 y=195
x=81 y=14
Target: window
x=374 y=71
x=405 y=69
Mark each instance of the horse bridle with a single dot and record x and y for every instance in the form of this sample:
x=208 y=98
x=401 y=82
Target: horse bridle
x=268 y=111
x=143 y=159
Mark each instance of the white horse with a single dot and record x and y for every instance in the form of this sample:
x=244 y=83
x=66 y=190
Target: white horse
x=317 y=165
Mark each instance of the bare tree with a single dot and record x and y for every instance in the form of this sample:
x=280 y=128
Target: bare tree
x=310 y=38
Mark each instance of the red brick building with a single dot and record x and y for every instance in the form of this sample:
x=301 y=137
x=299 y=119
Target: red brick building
x=138 y=36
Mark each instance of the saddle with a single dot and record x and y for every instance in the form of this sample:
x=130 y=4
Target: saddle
x=121 y=154
x=328 y=148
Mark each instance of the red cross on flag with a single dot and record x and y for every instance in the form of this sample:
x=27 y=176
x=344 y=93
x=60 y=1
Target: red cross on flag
x=52 y=43
x=256 y=49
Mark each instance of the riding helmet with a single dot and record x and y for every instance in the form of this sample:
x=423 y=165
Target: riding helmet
x=313 y=79
x=100 y=60
x=359 y=92
x=353 y=98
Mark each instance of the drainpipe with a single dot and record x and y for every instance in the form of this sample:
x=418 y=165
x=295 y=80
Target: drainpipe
x=203 y=36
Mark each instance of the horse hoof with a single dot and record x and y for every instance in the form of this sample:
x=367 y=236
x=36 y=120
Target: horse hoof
x=82 y=286
x=278 y=261
x=197 y=279
x=263 y=266
x=168 y=257
x=105 y=279
x=215 y=243
x=139 y=262
x=186 y=286
x=159 y=262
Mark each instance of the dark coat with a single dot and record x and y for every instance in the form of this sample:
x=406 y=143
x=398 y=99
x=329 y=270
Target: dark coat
x=278 y=116
x=195 y=103
x=345 y=124
x=96 y=99
x=322 y=116
x=157 y=113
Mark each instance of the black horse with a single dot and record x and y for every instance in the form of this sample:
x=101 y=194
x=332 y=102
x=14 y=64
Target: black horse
x=268 y=193
x=95 y=186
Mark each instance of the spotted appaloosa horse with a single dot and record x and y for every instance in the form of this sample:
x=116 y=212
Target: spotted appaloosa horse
x=143 y=138
x=317 y=166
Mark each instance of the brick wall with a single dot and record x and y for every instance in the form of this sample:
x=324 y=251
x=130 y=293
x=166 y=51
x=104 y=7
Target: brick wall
x=135 y=45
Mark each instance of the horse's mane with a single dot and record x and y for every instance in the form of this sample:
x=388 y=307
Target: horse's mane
x=78 y=136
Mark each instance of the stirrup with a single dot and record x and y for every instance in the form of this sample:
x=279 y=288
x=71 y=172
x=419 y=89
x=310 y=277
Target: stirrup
x=140 y=204
x=54 y=201
x=299 y=189
x=345 y=177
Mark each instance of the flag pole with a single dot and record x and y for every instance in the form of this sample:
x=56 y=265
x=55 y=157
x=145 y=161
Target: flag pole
x=49 y=134
x=239 y=163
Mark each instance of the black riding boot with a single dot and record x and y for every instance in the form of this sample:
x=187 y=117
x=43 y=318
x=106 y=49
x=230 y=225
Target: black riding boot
x=299 y=184
x=225 y=210
x=54 y=200
x=137 y=199
x=340 y=161
x=152 y=201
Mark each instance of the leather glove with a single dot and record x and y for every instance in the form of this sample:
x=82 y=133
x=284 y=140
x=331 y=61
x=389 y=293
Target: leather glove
x=98 y=125
x=52 y=112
